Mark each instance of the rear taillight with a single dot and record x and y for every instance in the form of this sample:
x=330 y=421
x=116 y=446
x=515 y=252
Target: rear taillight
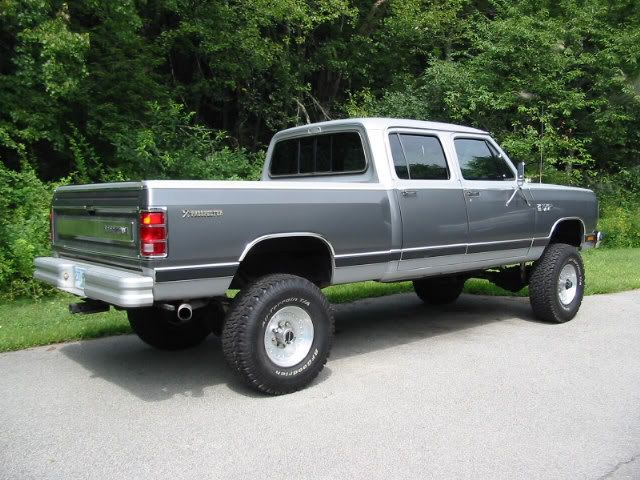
x=153 y=234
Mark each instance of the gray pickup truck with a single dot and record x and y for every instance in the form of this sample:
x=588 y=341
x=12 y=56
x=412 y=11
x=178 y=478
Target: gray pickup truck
x=339 y=202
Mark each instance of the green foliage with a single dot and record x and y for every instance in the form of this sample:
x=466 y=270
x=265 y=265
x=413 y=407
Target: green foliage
x=100 y=90
x=619 y=197
x=42 y=70
x=621 y=225
x=543 y=81
x=24 y=230
x=83 y=81
x=173 y=146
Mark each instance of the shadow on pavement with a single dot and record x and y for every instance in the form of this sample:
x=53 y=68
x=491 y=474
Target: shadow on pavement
x=152 y=375
x=380 y=323
x=361 y=327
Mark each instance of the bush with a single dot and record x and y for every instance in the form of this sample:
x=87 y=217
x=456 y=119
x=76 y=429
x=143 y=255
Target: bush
x=620 y=225
x=24 y=230
x=619 y=197
x=172 y=145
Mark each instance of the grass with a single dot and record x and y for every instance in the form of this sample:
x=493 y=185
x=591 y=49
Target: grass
x=27 y=323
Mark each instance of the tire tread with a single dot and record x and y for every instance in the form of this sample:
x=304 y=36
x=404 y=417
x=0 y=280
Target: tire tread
x=235 y=346
x=542 y=283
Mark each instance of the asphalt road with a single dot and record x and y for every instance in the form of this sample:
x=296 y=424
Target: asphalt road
x=477 y=390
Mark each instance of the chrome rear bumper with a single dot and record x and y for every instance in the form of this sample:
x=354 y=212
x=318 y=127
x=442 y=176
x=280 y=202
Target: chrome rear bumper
x=111 y=285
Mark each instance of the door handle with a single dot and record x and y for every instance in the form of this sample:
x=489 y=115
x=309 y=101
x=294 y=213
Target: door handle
x=409 y=193
x=472 y=193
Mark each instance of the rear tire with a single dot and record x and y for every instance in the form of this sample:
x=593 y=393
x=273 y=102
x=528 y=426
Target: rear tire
x=439 y=290
x=162 y=330
x=556 y=285
x=278 y=333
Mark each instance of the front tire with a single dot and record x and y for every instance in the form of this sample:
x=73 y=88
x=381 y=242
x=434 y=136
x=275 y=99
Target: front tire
x=278 y=333
x=162 y=330
x=439 y=290
x=556 y=285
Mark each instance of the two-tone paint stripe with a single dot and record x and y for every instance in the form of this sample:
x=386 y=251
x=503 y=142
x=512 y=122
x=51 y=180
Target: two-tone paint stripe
x=355 y=259
x=214 y=270
x=430 y=252
x=196 y=272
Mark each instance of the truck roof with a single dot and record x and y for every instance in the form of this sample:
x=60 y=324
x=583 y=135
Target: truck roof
x=375 y=123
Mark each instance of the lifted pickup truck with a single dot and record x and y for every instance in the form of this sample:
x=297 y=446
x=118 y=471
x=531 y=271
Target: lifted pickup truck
x=340 y=201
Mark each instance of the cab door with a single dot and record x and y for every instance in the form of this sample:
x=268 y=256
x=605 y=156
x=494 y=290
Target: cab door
x=432 y=206
x=498 y=229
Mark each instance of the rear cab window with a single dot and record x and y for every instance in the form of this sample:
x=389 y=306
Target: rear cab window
x=322 y=154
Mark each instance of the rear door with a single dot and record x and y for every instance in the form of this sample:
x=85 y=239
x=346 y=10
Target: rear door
x=496 y=230
x=429 y=192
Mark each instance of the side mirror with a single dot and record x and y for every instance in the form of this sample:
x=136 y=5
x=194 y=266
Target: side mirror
x=520 y=178
x=519 y=184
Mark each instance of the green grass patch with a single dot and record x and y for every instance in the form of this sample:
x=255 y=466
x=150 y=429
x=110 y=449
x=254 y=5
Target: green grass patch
x=27 y=323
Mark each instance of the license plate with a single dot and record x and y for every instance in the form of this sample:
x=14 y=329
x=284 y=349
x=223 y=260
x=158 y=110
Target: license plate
x=79 y=277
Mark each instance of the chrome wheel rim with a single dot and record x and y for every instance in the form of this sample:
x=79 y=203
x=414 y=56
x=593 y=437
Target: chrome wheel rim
x=288 y=336
x=568 y=284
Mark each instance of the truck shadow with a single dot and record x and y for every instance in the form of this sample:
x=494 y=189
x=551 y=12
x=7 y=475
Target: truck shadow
x=380 y=323
x=361 y=327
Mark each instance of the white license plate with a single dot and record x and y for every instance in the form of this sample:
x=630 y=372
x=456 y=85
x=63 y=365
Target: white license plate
x=78 y=273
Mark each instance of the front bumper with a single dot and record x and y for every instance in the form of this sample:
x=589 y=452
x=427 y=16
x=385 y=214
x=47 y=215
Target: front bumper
x=592 y=240
x=111 y=285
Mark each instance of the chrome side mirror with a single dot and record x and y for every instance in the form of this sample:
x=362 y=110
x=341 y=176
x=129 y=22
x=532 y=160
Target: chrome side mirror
x=519 y=184
x=520 y=179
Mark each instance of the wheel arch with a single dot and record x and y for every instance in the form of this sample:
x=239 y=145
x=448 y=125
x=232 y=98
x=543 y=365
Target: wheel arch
x=283 y=253
x=570 y=230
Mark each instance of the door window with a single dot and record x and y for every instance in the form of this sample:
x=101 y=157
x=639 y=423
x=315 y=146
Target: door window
x=418 y=157
x=479 y=161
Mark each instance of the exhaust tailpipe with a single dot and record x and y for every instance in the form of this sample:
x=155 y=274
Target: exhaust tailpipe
x=184 y=312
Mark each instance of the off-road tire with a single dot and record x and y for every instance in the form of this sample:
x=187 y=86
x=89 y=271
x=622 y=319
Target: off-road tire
x=162 y=330
x=439 y=290
x=543 y=283
x=243 y=335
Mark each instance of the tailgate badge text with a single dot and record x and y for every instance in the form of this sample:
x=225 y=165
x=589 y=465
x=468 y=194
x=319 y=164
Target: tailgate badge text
x=116 y=229
x=201 y=213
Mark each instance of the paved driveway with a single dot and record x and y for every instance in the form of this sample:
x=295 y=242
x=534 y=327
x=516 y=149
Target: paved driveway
x=476 y=390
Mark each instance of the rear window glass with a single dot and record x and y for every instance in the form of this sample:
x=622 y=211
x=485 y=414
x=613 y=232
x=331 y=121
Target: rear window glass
x=329 y=153
x=285 y=158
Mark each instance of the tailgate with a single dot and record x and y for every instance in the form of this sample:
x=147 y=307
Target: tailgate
x=98 y=222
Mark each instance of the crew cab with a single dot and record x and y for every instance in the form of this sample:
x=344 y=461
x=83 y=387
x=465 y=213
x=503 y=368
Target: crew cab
x=339 y=202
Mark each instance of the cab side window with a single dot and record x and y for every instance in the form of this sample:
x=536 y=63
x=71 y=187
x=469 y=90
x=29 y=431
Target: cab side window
x=418 y=157
x=479 y=160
